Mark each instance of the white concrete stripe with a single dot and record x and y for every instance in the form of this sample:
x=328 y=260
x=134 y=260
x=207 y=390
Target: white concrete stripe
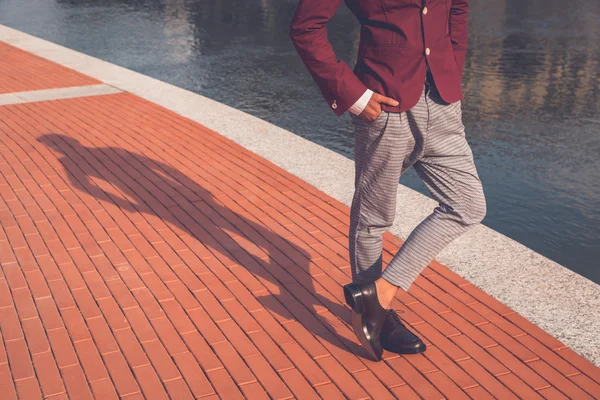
x=56 y=94
x=9 y=98
x=560 y=301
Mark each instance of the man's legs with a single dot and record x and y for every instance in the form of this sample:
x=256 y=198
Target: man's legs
x=431 y=136
x=383 y=149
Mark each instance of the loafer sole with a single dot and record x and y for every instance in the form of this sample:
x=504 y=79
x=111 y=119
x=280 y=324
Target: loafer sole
x=416 y=350
x=353 y=296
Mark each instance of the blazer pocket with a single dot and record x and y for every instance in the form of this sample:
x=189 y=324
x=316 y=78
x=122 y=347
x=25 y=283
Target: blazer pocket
x=382 y=51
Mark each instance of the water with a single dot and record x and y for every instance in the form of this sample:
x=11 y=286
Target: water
x=531 y=84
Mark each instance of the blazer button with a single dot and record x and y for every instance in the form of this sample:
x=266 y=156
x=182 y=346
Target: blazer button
x=334 y=105
x=427 y=51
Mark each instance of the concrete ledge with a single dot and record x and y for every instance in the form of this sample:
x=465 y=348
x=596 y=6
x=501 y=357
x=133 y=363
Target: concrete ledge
x=560 y=301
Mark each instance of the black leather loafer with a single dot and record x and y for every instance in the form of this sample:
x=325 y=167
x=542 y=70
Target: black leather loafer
x=396 y=338
x=367 y=316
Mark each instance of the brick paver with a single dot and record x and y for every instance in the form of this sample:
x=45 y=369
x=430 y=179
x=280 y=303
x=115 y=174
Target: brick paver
x=146 y=256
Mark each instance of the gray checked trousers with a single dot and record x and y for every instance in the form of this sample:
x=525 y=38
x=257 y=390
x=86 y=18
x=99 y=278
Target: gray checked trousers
x=431 y=138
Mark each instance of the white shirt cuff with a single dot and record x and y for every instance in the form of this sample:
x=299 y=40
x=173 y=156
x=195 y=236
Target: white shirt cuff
x=361 y=103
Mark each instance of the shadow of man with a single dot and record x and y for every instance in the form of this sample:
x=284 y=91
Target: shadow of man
x=140 y=185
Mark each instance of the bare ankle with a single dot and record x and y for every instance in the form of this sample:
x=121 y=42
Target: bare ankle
x=385 y=292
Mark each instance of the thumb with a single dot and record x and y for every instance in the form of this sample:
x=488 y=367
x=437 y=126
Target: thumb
x=385 y=100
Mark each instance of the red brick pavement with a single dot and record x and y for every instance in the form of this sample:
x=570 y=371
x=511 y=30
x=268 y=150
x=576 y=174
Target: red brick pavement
x=21 y=71
x=146 y=256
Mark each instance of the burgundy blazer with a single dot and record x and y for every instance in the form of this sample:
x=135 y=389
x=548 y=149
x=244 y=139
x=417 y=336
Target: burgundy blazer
x=397 y=38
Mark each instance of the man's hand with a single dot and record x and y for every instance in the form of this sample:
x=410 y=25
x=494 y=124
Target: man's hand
x=373 y=108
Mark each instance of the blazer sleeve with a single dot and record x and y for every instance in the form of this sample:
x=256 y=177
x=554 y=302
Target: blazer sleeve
x=337 y=82
x=459 y=31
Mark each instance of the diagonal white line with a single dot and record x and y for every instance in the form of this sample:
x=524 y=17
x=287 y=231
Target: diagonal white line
x=55 y=94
